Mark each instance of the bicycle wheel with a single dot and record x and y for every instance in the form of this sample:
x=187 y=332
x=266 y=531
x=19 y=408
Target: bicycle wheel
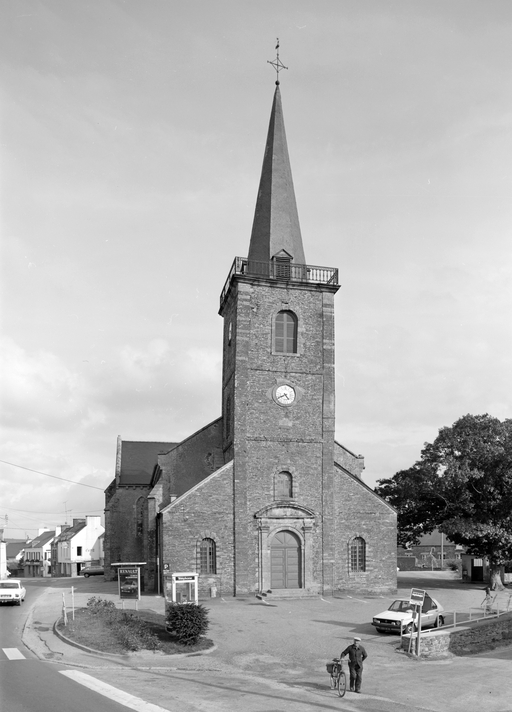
x=342 y=684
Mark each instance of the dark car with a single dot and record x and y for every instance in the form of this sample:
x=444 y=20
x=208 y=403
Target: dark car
x=129 y=587
x=92 y=571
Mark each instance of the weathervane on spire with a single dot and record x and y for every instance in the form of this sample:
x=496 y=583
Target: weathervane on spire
x=277 y=64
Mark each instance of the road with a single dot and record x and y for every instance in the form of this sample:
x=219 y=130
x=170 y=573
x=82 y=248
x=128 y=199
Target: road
x=269 y=658
x=31 y=685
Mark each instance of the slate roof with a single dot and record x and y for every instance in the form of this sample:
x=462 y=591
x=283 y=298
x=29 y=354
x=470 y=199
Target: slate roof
x=70 y=532
x=40 y=540
x=14 y=546
x=276 y=221
x=139 y=459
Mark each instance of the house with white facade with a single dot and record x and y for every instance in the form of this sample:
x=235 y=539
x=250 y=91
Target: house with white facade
x=37 y=557
x=77 y=546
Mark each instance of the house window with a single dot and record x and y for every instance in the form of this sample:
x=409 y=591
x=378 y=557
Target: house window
x=358 y=554
x=283 y=486
x=79 y=551
x=285 y=333
x=208 y=557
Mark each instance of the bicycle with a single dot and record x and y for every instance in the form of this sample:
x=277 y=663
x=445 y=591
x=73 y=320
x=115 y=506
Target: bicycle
x=338 y=678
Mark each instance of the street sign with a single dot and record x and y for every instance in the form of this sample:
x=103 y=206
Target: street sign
x=417 y=596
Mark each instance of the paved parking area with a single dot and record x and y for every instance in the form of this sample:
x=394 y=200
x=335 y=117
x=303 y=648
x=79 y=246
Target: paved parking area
x=274 y=655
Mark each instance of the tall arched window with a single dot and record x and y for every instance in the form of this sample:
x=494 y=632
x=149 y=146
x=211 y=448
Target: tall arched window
x=139 y=516
x=283 y=486
x=358 y=554
x=285 y=333
x=208 y=557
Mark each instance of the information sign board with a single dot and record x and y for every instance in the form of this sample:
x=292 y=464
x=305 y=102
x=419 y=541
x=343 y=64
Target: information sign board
x=417 y=596
x=129 y=582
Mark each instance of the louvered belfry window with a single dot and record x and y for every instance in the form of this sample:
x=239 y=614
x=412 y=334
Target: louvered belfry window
x=285 y=334
x=282 y=267
x=208 y=557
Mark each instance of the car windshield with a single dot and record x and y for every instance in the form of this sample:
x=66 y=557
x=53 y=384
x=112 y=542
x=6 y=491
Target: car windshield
x=9 y=584
x=401 y=606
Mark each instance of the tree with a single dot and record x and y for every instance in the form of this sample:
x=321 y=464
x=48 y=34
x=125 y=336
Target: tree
x=462 y=485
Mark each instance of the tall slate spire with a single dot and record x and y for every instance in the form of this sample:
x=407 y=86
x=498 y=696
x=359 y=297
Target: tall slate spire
x=276 y=222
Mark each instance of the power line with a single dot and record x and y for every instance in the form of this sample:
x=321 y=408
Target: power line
x=63 y=479
x=37 y=511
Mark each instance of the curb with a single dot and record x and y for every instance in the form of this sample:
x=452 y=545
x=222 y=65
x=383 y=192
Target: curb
x=68 y=641
x=119 y=656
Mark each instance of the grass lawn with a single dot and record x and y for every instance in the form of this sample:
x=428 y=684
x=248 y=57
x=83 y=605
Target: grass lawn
x=92 y=631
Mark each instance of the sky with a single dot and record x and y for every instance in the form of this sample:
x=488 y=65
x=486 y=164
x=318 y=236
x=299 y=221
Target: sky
x=132 y=137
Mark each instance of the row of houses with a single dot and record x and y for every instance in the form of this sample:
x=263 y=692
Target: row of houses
x=64 y=551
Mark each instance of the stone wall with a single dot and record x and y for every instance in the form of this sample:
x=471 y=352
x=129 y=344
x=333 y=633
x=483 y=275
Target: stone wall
x=203 y=512
x=359 y=512
x=467 y=639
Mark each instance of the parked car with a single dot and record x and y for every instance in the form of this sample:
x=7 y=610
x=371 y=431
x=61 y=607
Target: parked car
x=12 y=591
x=128 y=587
x=92 y=571
x=401 y=616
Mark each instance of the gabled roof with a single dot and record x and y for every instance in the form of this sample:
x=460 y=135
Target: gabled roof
x=362 y=484
x=40 y=540
x=139 y=459
x=276 y=221
x=13 y=547
x=71 y=531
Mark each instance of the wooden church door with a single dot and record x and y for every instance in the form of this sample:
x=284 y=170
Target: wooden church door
x=285 y=559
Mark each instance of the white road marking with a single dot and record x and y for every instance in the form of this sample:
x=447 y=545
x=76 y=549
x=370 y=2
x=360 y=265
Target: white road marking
x=113 y=693
x=14 y=654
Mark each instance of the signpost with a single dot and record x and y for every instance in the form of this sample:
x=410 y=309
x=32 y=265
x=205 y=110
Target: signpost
x=129 y=582
x=417 y=598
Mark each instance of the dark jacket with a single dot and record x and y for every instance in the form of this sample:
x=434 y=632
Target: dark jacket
x=356 y=656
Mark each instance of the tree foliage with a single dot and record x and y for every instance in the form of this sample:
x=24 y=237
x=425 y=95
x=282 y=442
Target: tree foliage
x=462 y=485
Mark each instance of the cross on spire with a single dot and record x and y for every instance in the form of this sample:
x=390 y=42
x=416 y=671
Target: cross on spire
x=277 y=64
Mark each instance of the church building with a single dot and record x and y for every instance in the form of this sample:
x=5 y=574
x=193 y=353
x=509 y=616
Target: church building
x=263 y=499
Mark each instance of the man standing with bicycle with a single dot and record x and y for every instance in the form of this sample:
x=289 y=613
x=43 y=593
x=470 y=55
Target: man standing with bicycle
x=356 y=656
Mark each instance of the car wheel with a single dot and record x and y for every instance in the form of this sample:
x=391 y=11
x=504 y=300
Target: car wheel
x=380 y=630
x=86 y=575
x=410 y=628
x=439 y=621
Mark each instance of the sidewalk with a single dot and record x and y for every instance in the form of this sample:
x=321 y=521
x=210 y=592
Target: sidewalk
x=274 y=657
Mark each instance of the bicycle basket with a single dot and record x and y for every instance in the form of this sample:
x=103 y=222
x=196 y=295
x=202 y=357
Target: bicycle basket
x=330 y=667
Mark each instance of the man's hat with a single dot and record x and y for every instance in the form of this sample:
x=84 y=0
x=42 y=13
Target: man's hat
x=356 y=638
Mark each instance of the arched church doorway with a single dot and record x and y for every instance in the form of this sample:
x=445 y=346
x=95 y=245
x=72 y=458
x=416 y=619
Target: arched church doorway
x=285 y=561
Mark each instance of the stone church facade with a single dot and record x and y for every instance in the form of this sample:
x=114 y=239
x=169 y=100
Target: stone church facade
x=264 y=498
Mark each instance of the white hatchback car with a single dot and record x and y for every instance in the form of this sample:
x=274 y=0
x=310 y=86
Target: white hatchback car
x=401 y=615
x=12 y=591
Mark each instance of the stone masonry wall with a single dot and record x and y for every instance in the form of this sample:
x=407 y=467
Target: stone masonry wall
x=124 y=538
x=467 y=639
x=192 y=460
x=204 y=512
x=360 y=513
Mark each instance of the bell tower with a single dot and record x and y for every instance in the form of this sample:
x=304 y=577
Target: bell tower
x=278 y=391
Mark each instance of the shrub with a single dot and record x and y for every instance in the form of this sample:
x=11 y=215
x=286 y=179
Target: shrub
x=134 y=634
x=453 y=565
x=131 y=631
x=99 y=605
x=187 y=621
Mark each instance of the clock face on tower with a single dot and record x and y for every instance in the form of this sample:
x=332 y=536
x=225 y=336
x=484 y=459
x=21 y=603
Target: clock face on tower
x=284 y=395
